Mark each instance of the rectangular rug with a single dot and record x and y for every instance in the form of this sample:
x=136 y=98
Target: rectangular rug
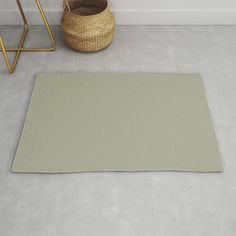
x=117 y=122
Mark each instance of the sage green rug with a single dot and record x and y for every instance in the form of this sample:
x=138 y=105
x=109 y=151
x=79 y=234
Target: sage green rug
x=117 y=122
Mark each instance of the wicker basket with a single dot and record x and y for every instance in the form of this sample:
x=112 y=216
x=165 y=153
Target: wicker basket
x=88 y=25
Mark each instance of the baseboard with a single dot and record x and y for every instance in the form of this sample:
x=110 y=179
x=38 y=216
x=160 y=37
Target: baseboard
x=136 y=17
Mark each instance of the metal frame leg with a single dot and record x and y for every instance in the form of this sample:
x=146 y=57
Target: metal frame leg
x=20 y=48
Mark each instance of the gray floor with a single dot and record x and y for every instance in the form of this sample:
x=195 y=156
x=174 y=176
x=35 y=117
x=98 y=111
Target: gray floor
x=95 y=204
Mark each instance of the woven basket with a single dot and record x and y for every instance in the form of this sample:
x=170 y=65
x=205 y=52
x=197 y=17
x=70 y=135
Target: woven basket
x=88 y=25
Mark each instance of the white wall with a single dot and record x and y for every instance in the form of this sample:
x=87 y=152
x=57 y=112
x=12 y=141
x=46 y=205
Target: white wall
x=137 y=11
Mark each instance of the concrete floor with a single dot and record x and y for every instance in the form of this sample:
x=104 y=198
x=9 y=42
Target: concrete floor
x=120 y=204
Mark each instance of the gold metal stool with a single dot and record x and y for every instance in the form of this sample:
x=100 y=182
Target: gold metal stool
x=11 y=67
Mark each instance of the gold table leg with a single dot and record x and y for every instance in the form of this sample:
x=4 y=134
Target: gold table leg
x=20 y=48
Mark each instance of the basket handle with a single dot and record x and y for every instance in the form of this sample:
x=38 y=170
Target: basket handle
x=67 y=6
